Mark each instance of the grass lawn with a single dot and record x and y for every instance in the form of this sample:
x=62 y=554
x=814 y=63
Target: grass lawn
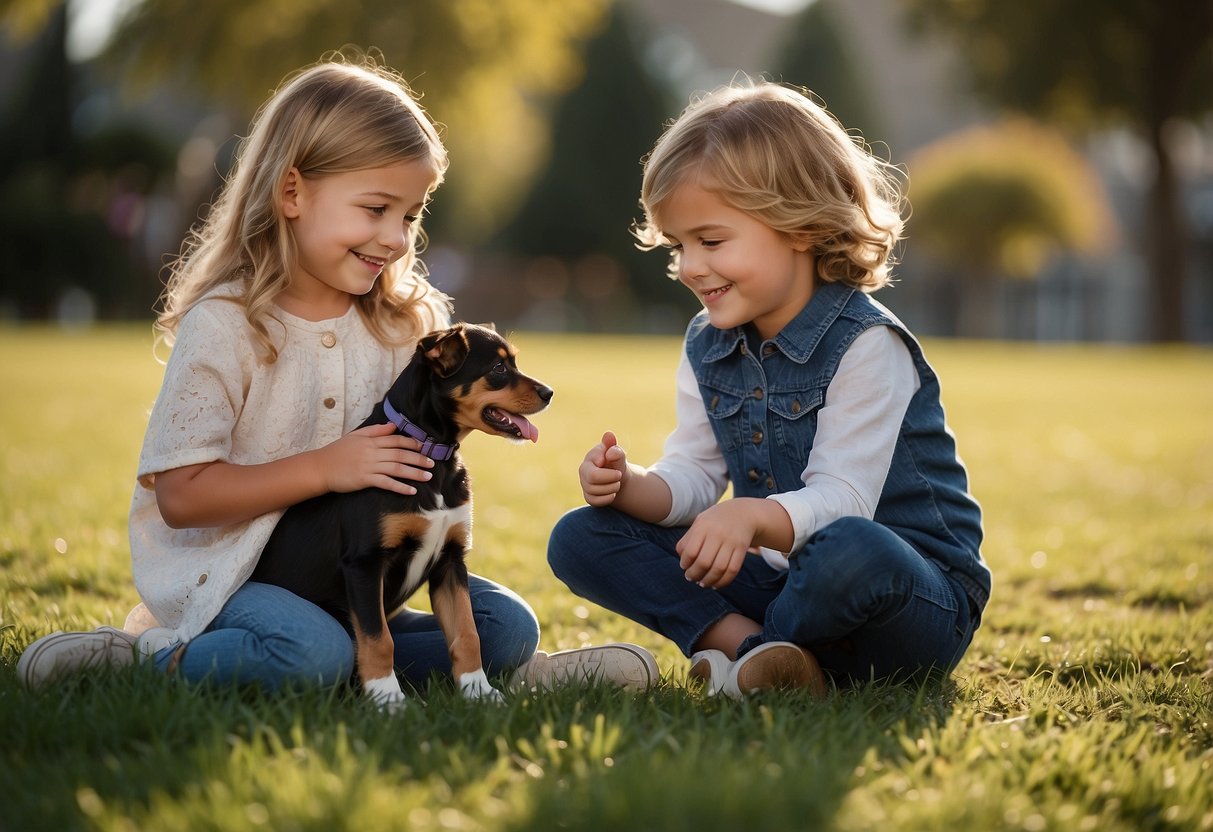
x=1083 y=704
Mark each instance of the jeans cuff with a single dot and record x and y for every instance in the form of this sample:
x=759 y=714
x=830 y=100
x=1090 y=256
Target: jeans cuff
x=689 y=647
x=750 y=643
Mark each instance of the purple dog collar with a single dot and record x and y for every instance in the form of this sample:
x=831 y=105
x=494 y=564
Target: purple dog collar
x=429 y=447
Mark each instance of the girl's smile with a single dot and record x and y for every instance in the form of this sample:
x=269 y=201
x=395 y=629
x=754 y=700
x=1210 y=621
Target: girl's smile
x=712 y=295
x=375 y=263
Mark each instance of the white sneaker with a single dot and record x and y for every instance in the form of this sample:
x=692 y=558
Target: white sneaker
x=52 y=657
x=155 y=639
x=775 y=664
x=625 y=665
x=711 y=667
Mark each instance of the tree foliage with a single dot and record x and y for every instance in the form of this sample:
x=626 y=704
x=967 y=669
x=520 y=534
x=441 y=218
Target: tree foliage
x=1090 y=64
x=587 y=196
x=485 y=68
x=815 y=55
x=1004 y=199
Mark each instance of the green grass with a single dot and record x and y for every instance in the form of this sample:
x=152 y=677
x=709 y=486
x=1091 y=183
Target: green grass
x=1083 y=704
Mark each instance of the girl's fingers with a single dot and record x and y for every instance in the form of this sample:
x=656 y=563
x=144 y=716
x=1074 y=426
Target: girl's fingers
x=603 y=476
x=404 y=443
x=391 y=484
x=411 y=472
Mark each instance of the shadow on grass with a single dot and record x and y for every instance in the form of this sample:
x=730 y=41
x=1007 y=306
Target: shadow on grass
x=128 y=749
x=778 y=761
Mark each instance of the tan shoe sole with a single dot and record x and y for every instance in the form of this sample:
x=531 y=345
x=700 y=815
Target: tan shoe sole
x=780 y=665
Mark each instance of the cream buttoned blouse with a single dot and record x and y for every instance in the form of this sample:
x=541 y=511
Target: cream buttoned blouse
x=218 y=401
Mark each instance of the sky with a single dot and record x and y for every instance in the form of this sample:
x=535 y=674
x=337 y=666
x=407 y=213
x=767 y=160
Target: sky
x=776 y=6
x=92 y=21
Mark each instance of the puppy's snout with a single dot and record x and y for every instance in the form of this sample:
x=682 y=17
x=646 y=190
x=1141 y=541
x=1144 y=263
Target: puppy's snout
x=544 y=392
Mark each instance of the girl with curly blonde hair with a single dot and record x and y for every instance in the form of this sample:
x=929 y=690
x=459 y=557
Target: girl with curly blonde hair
x=849 y=548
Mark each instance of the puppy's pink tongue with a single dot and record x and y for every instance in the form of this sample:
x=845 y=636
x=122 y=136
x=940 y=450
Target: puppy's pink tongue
x=529 y=431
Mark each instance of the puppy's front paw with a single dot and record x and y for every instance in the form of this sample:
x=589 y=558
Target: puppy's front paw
x=475 y=685
x=385 y=692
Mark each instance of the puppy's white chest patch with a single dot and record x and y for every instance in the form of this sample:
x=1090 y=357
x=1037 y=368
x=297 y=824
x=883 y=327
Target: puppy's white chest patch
x=443 y=524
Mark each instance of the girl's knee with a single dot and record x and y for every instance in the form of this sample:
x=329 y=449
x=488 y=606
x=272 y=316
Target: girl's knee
x=571 y=540
x=324 y=661
x=508 y=637
x=857 y=546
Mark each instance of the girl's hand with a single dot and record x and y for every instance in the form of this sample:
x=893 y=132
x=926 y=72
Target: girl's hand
x=603 y=471
x=373 y=457
x=714 y=549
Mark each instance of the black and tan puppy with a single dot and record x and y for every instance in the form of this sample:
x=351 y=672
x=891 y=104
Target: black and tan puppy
x=361 y=555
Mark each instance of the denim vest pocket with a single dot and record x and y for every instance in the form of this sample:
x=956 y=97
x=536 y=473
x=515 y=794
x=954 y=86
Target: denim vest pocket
x=723 y=407
x=794 y=432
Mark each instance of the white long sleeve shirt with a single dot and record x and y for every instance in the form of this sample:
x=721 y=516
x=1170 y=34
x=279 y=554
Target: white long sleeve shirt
x=857 y=429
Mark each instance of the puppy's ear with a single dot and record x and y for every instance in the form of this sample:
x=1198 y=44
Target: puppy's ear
x=489 y=325
x=445 y=350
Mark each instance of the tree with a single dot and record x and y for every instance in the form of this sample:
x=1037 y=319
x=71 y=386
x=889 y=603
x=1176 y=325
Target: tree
x=583 y=202
x=999 y=202
x=66 y=194
x=485 y=68
x=1094 y=63
x=816 y=56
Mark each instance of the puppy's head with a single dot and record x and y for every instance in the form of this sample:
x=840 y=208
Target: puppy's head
x=476 y=371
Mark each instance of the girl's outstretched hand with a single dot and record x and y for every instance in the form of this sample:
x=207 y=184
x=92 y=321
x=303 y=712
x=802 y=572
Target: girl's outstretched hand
x=375 y=456
x=603 y=471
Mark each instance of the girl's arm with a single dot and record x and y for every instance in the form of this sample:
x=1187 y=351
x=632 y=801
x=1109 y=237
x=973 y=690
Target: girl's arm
x=223 y=493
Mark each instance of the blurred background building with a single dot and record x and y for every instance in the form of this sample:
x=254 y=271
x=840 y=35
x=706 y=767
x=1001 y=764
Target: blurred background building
x=1059 y=155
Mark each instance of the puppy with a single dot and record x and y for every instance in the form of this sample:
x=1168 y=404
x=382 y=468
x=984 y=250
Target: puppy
x=361 y=555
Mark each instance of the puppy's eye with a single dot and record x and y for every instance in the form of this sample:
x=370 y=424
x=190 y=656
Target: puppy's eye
x=499 y=368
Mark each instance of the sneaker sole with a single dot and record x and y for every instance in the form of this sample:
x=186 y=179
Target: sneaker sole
x=116 y=653
x=781 y=667
x=603 y=663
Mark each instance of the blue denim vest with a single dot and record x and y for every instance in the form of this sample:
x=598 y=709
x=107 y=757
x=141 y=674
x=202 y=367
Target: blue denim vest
x=763 y=399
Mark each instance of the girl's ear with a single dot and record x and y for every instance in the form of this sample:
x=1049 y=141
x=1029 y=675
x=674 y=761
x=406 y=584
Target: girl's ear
x=290 y=193
x=800 y=241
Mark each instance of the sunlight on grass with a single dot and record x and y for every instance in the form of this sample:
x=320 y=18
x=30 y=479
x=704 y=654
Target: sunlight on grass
x=1084 y=703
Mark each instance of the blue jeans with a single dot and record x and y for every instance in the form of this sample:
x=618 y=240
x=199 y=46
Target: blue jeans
x=268 y=635
x=861 y=599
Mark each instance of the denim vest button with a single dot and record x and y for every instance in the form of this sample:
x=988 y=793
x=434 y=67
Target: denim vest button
x=753 y=474
x=769 y=349
x=756 y=438
x=715 y=401
x=758 y=394
x=796 y=406
x=770 y=483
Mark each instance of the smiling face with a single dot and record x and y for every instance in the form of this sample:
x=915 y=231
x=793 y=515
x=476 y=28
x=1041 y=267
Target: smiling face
x=741 y=269
x=347 y=227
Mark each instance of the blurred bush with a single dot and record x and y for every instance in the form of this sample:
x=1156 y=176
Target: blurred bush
x=999 y=202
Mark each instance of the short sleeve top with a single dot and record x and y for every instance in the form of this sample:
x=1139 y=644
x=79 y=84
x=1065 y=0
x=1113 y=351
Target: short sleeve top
x=221 y=401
